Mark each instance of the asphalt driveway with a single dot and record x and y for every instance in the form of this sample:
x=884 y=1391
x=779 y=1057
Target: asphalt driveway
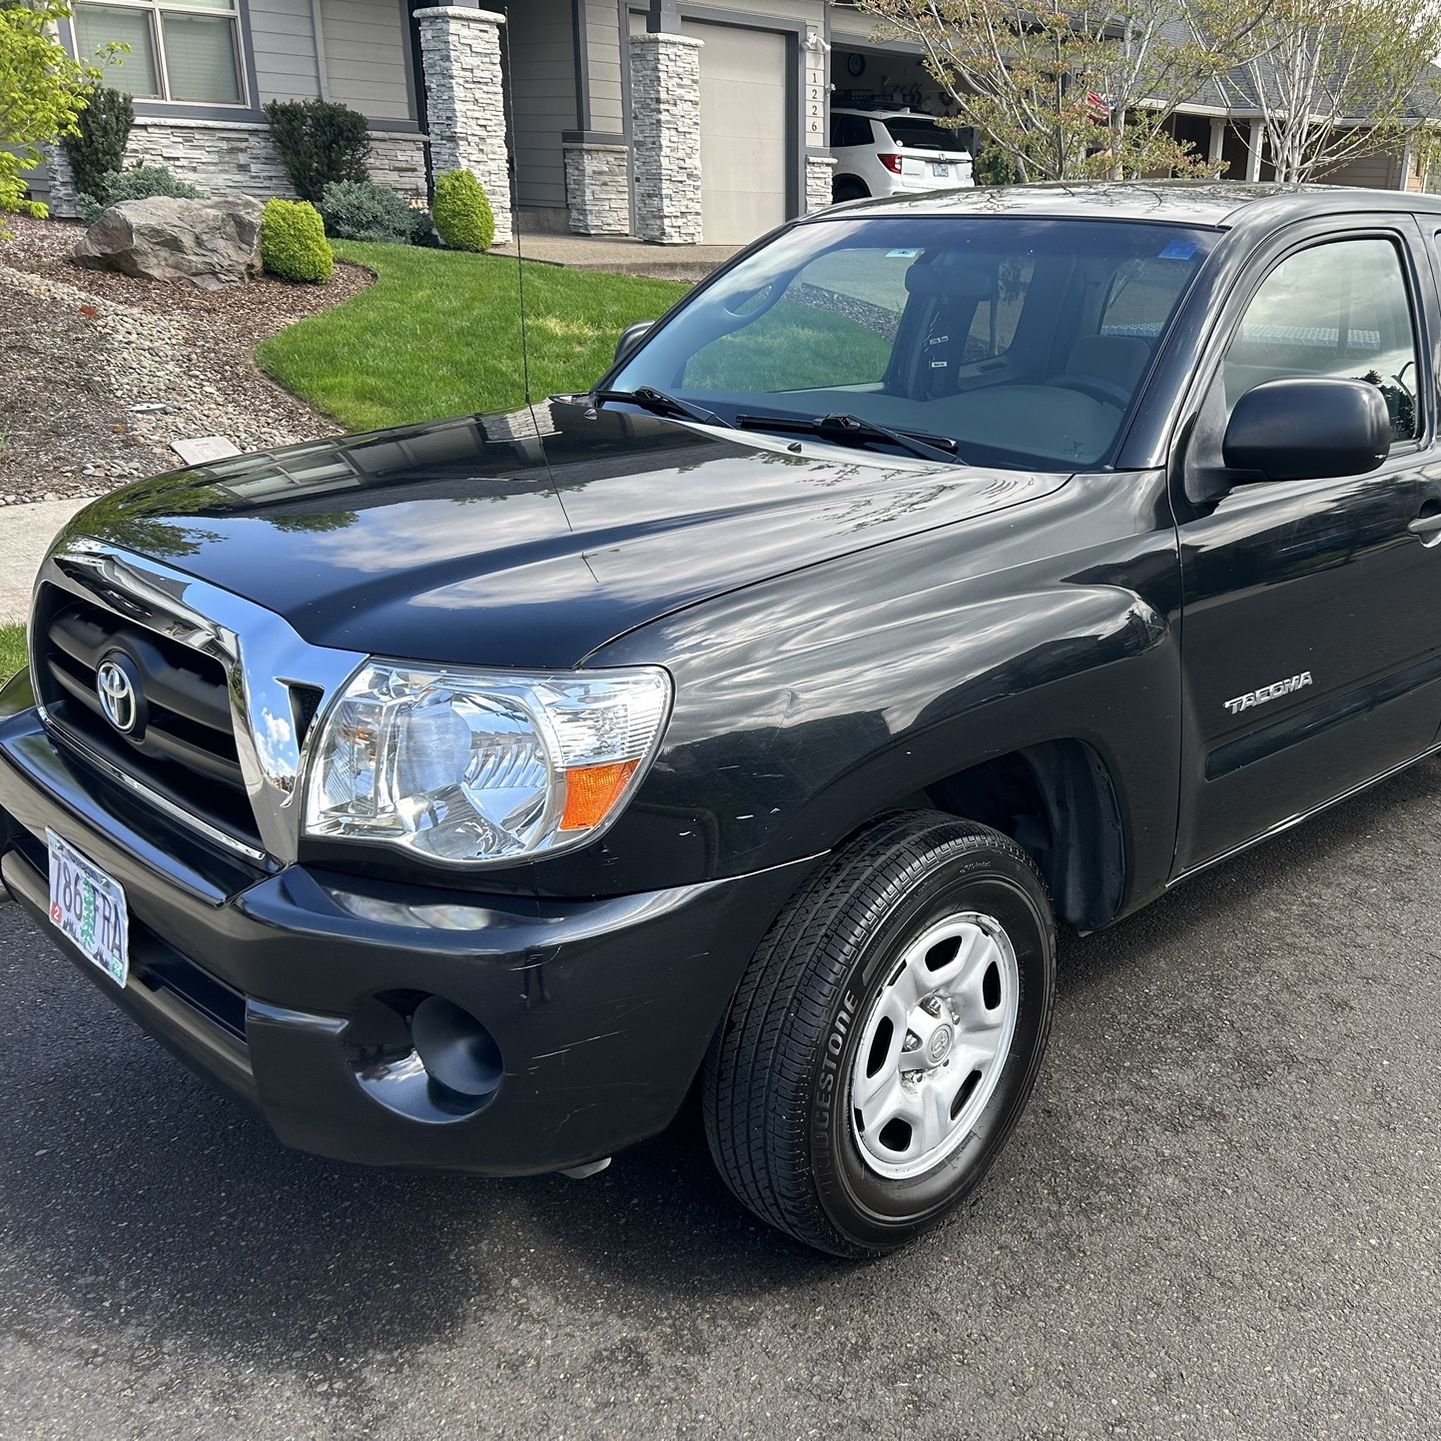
x=1221 y=1218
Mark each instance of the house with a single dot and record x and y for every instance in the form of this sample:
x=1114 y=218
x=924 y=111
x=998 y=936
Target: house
x=672 y=121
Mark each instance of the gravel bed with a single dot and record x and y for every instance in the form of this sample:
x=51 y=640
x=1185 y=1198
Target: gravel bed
x=103 y=371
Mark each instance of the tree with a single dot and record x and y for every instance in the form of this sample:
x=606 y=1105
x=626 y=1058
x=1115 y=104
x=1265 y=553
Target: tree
x=1324 y=65
x=42 y=91
x=1079 y=92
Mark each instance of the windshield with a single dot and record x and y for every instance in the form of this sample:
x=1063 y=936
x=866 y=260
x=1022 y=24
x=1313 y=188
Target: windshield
x=1022 y=340
x=923 y=134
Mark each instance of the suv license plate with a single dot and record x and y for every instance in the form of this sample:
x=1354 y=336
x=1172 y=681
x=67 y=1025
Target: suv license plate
x=941 y=172
x=89 y=908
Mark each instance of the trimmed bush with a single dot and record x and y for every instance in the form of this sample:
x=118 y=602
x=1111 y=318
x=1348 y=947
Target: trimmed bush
x=140 y=182
x=99 y=149
x=462 y=213
x=362 y=210
x=320 y=141
x=292 y=242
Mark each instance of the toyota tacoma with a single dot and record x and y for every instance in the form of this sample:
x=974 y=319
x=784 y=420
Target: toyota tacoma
x=945 y=570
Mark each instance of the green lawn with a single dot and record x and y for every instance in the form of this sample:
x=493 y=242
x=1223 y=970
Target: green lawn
x=438 y=335
x=12 y=650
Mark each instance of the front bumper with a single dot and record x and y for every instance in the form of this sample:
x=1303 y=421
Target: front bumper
x=289 y=987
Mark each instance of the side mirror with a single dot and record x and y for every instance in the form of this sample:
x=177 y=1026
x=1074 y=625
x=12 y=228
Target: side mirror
x=630 y=338
x=1309 y=428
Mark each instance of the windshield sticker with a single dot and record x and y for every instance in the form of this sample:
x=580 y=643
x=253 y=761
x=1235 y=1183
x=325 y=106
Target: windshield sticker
x=1178 y=250
x=903 y=254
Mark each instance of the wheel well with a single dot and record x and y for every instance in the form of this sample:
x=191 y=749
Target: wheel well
x=849 y=187
x=1056 y=800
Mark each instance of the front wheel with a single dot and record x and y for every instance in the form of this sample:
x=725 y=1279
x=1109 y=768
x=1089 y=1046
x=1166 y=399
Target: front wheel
x=886 y=1036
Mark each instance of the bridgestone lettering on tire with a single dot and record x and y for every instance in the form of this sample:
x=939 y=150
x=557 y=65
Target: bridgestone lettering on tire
x=886 y=1036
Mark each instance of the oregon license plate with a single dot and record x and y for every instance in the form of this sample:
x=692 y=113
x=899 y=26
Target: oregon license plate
x=89 y=908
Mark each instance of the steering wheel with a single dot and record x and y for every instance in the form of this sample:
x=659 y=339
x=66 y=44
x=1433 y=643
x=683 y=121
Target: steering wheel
x=1108 y=392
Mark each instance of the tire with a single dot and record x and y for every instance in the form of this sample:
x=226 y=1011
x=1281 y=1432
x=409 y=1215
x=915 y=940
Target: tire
x=847 y=187
x=806 y=1037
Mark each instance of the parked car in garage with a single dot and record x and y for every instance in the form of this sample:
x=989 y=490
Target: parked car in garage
x=895 y=152
x=944 y=571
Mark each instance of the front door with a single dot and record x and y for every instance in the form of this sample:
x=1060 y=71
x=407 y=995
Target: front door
x=1311 y=628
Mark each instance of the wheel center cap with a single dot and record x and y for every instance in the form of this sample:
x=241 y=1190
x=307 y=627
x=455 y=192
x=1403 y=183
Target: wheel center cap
x=939 y=1046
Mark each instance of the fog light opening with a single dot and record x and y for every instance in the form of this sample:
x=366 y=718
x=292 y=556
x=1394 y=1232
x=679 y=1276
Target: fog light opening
x=455 y=1049
x=423 y=1057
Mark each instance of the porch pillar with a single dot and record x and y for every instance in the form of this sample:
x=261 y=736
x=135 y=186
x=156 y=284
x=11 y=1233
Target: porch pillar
x=1253 y=151
x=665 y=110
x=1218 y=141
x=465 y=100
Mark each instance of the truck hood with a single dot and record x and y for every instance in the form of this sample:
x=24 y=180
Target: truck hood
x=528 y=539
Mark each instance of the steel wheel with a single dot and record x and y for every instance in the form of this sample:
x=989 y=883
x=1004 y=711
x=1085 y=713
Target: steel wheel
x=934 y=1045
x=830 y=1105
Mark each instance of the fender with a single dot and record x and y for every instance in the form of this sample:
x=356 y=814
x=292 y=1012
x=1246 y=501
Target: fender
x=810 y=703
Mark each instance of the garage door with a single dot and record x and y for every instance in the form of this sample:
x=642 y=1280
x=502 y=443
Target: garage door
x=743 y=153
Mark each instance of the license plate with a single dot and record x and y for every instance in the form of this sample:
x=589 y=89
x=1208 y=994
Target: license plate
x=89 y=908
x=941 y=172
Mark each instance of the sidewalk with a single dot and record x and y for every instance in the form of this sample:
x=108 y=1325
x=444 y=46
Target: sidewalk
x=621 y=255
x=25 y=532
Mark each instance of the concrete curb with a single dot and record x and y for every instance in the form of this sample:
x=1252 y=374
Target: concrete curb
x=25 y=534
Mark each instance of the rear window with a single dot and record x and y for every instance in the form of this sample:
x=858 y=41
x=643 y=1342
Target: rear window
x=924 y=135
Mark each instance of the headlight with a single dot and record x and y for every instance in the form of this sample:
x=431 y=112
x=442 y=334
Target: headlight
x=471 y=767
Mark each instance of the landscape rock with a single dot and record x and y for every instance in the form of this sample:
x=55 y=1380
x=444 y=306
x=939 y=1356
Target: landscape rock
x=205 y=242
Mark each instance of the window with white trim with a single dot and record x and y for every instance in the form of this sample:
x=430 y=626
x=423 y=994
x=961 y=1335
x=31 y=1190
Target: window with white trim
x=181 y=50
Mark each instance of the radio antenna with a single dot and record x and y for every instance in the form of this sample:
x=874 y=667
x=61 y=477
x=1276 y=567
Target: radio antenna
x=512 y=180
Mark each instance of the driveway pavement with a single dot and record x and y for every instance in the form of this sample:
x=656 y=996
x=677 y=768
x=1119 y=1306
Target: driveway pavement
x=25 y=533
x=1222 y=1218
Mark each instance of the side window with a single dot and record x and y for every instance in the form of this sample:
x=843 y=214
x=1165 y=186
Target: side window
x=1338 y=310
x=834 y=324
x=993 y=326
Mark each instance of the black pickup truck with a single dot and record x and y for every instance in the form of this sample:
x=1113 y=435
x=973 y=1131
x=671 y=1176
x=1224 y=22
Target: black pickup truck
x=942 y=571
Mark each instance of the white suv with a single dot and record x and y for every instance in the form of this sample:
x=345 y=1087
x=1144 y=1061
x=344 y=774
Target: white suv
x=894 y=152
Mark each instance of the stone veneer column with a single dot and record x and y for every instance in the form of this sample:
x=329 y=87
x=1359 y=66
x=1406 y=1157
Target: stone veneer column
x=62 y=197
x=820 y=191
x=597 y=188
x=665 y=123
x=465 y=100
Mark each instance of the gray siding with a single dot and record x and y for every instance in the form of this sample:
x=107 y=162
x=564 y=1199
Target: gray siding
x=603 y=60
x=1378 y=170
x=365 y=56
x=542 y=88
x=283 y=43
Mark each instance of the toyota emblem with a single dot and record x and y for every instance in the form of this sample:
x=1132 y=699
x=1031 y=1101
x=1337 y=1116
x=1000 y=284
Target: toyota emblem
x=116 y=685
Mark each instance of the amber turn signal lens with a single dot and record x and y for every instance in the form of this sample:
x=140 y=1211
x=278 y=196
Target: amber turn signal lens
x=591 y=792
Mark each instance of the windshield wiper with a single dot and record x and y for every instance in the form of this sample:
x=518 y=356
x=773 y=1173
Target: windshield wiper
x=854 y=427
x=659 y=403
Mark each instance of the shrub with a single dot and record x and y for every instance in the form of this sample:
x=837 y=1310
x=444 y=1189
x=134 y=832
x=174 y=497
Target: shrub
x=292 y=241
x=992 y=166
x=362 y=210
x=99 y=149
x=35 y=209
x=139 y=182
x=462 y=213
x=319 y=141
x=42 y=94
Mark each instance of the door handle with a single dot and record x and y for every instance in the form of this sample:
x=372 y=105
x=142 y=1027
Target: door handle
x=1428 y=527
